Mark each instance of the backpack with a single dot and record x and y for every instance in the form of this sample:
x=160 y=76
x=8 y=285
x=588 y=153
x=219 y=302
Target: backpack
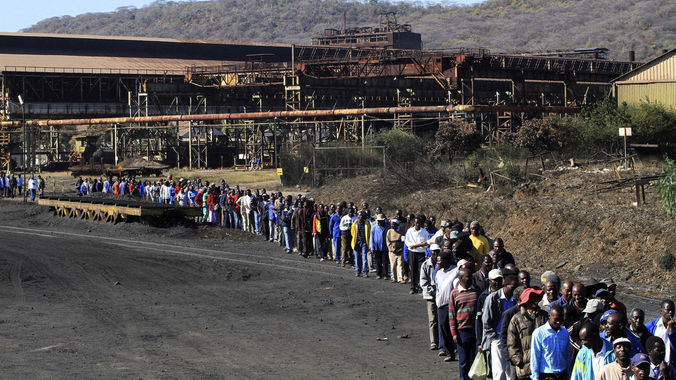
x=198 y=199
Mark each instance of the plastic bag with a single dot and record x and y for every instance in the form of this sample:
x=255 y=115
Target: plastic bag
x=478 y=370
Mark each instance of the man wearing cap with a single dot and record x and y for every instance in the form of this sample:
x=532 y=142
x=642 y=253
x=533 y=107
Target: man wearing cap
x=496 y=304
x=620 y=369
x=604 y=296
x=659 y=369
x=664 y=328
x=640 y=366
x=521 y=328
x=616 y=327
x=462 y=317
x=395 y=247
x=594 y=353
x=429 y=293
x=494 y=284
x=378 y=247
x=550 y=356
x=592 y=310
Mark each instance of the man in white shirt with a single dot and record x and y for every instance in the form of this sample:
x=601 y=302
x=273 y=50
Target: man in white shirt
x=445 y=278
x=665 y=328
x=345 y=237
x=416 y=240
x=244 y=203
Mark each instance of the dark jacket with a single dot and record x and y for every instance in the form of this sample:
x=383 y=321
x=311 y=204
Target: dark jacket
x=479 y=282
x=519 y=335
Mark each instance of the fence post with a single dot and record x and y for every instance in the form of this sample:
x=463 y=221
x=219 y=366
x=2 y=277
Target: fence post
x=314 y=165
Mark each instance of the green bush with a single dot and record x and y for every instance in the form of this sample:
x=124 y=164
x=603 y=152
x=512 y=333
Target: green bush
x=667 y=261
x=667 y=187
x=597 y=128
x=399 y=146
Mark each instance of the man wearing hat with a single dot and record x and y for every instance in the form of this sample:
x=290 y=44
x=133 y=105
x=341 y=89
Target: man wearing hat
x=594 y=354
x=520 y=330
x=395 y=248
x=494 y=284
x=496 y=304
x=640 y=365
x=620 y=369
x=592 y=310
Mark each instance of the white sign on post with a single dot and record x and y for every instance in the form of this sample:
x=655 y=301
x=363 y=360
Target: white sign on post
x=625 y=132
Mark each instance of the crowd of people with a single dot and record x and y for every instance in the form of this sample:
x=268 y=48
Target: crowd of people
x=480 y=305
x=12 y=186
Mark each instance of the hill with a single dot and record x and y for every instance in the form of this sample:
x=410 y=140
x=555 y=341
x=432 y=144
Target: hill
x=499 y=25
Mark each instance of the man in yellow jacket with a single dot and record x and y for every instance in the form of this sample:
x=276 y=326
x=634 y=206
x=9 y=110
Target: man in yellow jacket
x=361 y=232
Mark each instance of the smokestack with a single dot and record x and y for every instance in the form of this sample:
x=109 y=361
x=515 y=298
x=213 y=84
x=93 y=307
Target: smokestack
x=631 y=56
x=344 y=21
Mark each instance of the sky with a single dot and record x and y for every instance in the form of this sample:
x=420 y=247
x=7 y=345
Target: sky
x=25 y=13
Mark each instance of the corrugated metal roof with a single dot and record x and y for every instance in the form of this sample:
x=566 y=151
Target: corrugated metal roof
x=97 y=65
x=131 y=38
x=662 y=68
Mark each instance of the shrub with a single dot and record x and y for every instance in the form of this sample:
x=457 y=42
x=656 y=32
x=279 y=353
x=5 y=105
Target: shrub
x=455 y=137
x=667 y=187
x=538 y=136
x=399 y=146
x=667 y=261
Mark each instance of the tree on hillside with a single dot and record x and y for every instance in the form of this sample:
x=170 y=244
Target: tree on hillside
x=499 y=25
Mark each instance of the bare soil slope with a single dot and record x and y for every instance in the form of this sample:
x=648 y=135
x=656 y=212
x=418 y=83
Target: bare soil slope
x=560 y=223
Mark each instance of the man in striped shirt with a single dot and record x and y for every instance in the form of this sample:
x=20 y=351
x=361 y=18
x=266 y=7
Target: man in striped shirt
x=462 y=317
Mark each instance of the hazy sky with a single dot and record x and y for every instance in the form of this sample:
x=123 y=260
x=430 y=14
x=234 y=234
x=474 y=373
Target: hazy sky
x=24 y=13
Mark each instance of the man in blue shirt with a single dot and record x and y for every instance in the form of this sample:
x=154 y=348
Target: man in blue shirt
x=379 y=248
x=550 y=355
x=334 y=229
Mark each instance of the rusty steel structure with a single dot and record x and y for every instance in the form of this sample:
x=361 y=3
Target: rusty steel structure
x=202 y=103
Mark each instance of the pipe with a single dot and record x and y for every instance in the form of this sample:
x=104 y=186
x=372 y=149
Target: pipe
x=295 y=114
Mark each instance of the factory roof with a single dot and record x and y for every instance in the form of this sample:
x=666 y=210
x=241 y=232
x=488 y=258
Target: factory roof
x=63 y=53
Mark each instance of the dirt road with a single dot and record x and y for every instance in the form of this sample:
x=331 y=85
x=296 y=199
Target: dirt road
x=84 y=300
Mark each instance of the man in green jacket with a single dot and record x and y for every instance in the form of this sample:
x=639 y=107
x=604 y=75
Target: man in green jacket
x=521 y=329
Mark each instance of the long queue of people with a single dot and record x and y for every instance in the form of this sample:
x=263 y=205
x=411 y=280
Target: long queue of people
x=481 y=308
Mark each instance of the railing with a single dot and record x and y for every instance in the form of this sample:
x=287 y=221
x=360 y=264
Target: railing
x=91 y=70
